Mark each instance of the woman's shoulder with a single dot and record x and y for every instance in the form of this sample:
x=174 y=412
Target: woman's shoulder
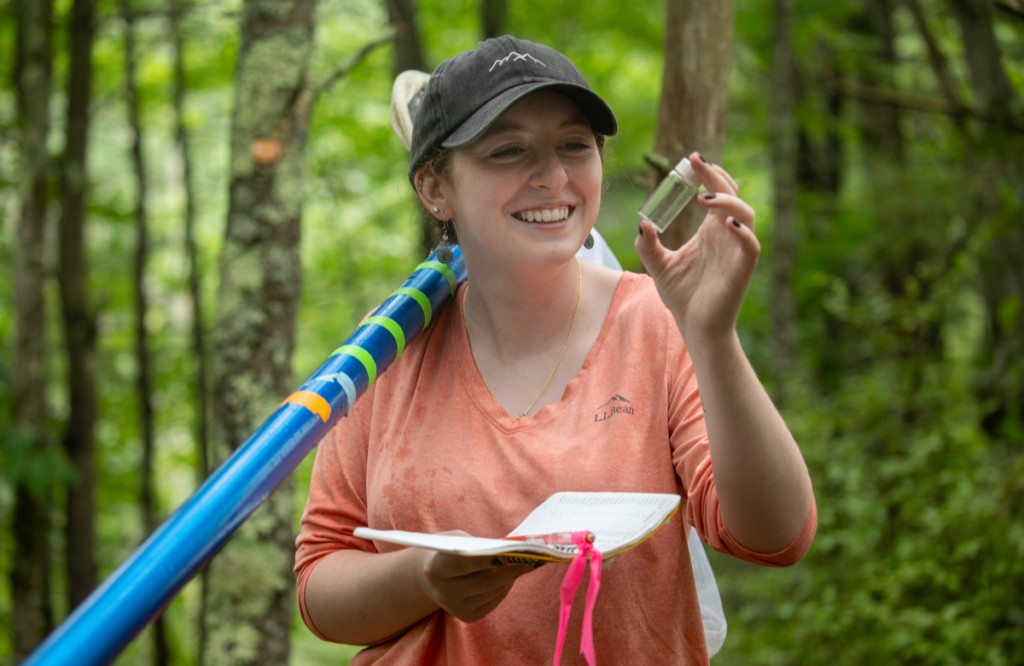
x=638 y=281
x=637 y=292
x=637 y=311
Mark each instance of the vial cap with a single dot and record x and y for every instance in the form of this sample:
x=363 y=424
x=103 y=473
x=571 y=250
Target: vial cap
x=685 y=170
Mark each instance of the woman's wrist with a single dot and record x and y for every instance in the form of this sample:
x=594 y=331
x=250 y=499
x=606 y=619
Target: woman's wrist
x=708 y=343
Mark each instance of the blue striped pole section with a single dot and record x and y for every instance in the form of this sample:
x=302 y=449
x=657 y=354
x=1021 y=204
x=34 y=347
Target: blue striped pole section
x=97 y=631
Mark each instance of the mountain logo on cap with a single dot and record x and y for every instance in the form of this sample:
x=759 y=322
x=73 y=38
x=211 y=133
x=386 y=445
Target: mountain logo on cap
x=514 y=56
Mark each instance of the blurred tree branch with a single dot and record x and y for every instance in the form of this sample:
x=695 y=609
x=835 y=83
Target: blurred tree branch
x=350 y=64
x=892 y=98
x=1014 y=7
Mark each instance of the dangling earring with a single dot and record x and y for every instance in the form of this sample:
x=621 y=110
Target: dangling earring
x=589 y=243
x=444 y=253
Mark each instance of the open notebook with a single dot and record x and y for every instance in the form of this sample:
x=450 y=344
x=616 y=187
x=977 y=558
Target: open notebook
x=617 y=521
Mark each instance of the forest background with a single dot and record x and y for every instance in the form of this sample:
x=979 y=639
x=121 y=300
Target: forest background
x=879 y=141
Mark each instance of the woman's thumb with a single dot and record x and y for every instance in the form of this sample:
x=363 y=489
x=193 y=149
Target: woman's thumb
x=647 y=244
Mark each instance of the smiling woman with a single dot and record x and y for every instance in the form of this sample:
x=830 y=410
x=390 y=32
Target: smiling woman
x=499 y=404
x=535 y=171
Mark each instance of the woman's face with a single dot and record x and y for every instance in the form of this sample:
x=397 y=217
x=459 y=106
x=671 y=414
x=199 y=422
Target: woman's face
x=530 y=188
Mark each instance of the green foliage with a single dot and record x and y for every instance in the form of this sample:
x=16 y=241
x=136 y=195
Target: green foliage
x=917 y=556
x=919 y=552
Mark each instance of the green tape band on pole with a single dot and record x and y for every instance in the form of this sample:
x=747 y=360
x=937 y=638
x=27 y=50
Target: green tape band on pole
x=444 y=270
x=363 y=357
x=396 y=331
x=421 y=298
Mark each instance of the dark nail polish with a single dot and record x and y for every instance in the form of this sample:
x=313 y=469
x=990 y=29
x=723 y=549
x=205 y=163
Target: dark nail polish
x=703 y=159
x=640 y=228
x=708 y=196
x=735 y=223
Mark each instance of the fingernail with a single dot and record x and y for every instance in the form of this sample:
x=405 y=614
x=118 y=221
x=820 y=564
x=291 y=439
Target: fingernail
x=703 y=159
x=640 y=228
x=708 y=196
x=735 y=222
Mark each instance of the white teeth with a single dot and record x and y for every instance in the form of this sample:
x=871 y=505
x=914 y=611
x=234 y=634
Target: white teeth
x=545 y=215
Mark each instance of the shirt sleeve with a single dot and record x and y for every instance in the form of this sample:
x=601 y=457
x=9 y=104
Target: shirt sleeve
x=691 y=455
x=706 y=517
x=336 y=503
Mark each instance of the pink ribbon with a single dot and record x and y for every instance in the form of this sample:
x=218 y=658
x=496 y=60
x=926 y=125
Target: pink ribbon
x=570 y=583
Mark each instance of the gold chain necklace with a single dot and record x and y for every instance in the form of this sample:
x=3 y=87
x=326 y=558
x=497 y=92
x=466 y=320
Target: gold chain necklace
x=565 y=345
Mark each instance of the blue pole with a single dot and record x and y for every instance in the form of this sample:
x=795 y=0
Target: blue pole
x=97 y=631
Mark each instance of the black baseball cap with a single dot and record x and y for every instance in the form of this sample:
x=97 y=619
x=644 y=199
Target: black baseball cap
x=468 y=92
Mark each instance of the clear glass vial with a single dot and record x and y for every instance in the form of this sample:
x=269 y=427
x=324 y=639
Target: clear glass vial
x=672 y=194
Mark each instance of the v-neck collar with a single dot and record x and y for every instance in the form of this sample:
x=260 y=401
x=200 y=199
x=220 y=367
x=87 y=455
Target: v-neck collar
x=473 y=385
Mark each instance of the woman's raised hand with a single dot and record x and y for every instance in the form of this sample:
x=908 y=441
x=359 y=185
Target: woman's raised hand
x=704 y=282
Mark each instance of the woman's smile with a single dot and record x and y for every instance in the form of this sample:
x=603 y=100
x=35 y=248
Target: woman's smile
x=544 y=215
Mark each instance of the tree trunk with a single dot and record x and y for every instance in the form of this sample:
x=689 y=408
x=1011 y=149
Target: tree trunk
x=880 y=123
x=494 y=17
x=820 y=173
x=999 y=196
x=201 y=379
x=819 y=165
x=251 y=585
x=407 y=41
x=143 y=377
x=30 y=591
x=937 y=59
x=784 y=188
x=79 y=320
x=694 y=93
x=990 y=83
x=409 y=55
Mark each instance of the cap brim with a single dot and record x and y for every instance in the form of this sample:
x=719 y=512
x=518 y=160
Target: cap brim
x=601 y=118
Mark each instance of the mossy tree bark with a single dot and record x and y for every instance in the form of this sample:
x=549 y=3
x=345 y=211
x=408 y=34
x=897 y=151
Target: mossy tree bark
x=694 y=93
x=249 y=610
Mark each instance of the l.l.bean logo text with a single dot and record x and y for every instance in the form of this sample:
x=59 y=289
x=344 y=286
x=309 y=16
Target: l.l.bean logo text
x=614 y=406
